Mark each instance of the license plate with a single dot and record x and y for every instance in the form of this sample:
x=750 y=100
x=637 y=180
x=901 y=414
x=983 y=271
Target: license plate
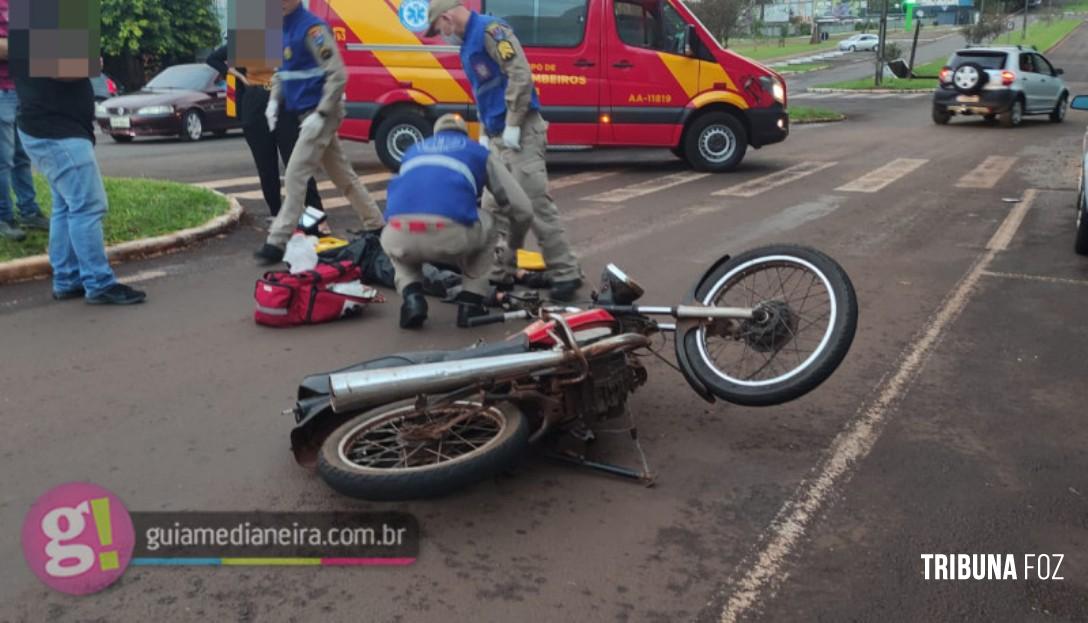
x=967 y=98
x=122 y=123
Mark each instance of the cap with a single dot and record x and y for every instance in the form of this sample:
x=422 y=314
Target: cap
x=450 y=121
x=436 y=9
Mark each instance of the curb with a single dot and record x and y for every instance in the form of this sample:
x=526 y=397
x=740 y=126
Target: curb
x=840 y=119
x=37 y=266
x=868 y=91
x=1064 y=37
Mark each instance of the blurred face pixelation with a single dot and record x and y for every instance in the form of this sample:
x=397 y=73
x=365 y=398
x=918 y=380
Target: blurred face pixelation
x=55 y=38
x=255 y=35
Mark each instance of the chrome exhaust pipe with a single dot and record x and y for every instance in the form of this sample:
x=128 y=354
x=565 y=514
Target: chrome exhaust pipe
x=359 y=390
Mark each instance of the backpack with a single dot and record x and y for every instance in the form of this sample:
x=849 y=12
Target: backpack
x=328 y=292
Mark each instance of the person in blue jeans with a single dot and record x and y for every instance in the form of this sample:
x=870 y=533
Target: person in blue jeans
x=14 y=164
x=56 y=127
x=15 y=174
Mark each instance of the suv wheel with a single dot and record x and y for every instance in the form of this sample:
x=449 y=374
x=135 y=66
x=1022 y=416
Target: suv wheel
x=941 y=115
x=1058 y=114
x=397 y=133
x=1014 y=115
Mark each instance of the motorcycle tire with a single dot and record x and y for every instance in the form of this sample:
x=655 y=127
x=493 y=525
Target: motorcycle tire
x=816 y=369
x=422 y=481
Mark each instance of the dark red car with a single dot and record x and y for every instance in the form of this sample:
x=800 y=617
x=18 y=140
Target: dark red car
x=183 y=100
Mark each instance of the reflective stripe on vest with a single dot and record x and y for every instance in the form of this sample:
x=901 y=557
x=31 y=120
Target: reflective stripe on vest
x=431 y=160
x=302 y=74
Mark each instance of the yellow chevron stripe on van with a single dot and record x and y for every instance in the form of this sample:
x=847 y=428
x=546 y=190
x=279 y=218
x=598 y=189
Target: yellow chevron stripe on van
x=714 y=97
x=711 y=73
x=376 y=25
x=685 y=70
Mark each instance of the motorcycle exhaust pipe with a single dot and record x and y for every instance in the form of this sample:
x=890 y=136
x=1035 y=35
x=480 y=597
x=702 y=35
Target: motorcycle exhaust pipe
x=358 y=390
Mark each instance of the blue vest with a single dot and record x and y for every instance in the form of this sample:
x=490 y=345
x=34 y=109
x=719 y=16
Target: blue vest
x=485 y=75
x=443 y=175
x=301 y=78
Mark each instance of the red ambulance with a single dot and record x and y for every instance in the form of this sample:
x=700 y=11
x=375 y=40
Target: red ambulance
x=610 y=73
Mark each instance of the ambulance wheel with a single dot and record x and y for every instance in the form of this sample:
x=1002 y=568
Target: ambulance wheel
x=715 y=142
x=397 y=133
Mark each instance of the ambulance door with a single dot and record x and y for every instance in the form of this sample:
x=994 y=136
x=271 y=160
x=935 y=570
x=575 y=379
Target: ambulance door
x=562 y=41
x=650 y=80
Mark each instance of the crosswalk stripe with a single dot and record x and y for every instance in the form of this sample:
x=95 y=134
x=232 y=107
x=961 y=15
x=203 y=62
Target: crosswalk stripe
x=759 y=185
x=657 y=184
x=228 y=183
x=580 y=178
x=987 y=174
x=342 y=202
x=880 y=178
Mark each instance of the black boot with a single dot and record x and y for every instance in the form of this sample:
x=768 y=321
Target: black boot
x=469 y=305
x=413 y=311
x=268 y=255
x=564 y=291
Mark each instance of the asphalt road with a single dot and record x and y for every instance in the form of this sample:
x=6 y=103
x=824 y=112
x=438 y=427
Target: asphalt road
x=954 y=426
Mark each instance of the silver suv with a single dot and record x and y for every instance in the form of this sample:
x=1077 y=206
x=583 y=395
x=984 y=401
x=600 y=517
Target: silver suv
x=1005 y=82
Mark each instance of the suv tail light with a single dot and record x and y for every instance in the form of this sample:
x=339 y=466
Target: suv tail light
x=946 y=74
x=1007 y=77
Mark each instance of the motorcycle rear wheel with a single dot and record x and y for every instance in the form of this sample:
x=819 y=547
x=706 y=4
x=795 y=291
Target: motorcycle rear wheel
x=397 y=452
x=780 y=281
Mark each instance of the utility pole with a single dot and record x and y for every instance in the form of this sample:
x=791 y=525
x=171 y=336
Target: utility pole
x=1024 y=30
x=883 y=34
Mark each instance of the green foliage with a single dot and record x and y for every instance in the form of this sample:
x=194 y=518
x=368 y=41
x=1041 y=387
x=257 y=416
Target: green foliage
x=157 y=33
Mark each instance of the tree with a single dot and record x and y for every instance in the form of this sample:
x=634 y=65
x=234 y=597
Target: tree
x=719 y=16
x=140 y=37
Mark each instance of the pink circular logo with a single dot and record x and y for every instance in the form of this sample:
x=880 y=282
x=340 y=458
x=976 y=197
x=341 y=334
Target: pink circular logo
x=78 y=538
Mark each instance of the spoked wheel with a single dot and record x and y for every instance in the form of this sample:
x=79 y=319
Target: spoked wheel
x=805 y=316
x=400 y=452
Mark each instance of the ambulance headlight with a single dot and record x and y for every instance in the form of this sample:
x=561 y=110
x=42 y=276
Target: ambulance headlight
x=779 y=92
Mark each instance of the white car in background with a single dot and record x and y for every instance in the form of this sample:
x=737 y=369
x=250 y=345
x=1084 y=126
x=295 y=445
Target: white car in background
x=862 y=42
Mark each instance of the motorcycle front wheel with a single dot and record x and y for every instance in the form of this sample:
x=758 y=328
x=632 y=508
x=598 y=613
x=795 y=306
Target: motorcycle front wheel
x=400 y=452
x=805 y=320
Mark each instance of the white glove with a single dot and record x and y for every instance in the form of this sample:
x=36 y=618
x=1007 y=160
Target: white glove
x=512 y=137
x=271 y=112
x=485 y=142
x=314 y=120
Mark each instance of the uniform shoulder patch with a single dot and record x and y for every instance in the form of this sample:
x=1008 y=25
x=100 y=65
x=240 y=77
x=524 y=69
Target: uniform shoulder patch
x=498 y=31
x=506 y=50
x=316 y=34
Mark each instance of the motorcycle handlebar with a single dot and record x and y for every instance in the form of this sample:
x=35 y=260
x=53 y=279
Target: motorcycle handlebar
x=480 y=321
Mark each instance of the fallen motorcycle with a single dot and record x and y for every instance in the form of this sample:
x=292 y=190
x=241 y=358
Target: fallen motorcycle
x=759 y=329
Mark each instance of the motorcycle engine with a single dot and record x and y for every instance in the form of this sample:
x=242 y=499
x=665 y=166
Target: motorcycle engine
x=603 y=394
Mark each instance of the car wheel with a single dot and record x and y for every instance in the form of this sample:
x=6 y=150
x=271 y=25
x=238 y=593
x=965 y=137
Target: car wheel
x=941 y=116
x=1058 y=114
x=1081 y=243
x=715 y=142
x=121 y=138
x=397 y=133
x=192 y=126
x=853 y=48
x=1014 y=115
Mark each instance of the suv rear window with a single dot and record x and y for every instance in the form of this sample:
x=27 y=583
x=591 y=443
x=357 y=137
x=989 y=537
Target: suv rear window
x=988 y=60
x=554 y=24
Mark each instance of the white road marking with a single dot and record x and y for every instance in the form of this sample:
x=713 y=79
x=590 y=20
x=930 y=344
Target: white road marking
x=342 y=202
x=228 y=183
x=658 y=225
x=144 y=275
x=579 y=178
x=759 y=185
x=657 y=184
x=1003 y=236
x=987 y=174
x=1043 y=278
x=878 y=179
x=854 y=443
